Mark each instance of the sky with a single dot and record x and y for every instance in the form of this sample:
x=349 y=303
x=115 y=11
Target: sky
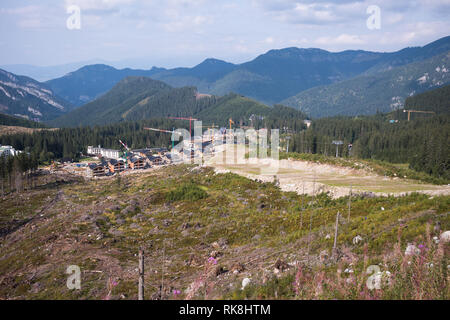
x=172 y=33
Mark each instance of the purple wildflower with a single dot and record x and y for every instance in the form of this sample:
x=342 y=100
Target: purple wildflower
x=212 y=260
x=176 y=292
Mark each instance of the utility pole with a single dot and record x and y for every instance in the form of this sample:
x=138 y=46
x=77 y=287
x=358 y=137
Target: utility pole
x=141 y=275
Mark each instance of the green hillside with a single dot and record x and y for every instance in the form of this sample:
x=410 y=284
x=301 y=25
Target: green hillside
x=137 y=98
x=7 y=120
x=437 y=100
x=384 y=91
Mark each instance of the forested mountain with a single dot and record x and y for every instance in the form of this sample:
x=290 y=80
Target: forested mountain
x=383 y=91
x=7 y=120
x=437 y=100
x=90 y=82
x=137 y=98
x=28 y=98
x=270 y=78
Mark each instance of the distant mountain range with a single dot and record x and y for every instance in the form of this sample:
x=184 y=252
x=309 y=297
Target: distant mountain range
x=315 y=81
x=270 y=78
x=27 y=98
x=45 y=73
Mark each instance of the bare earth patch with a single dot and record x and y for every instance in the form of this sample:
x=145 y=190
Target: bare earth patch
x=306 y=177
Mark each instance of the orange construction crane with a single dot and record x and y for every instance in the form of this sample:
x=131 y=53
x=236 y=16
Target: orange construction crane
x=417 y=111
x=231 y=122
x=190 y=119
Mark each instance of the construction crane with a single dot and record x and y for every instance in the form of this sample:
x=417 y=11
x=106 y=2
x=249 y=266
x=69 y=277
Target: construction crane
x=128 y=151
x=124 y=145
x=165 y=131
x=190 y=119
x=417 y=111
x=231 y=123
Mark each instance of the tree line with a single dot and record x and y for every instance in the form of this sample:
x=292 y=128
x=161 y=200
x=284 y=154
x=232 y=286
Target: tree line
x=17 y=172
x=423 y=143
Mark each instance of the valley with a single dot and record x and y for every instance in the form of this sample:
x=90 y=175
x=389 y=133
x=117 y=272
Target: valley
x=129 y=181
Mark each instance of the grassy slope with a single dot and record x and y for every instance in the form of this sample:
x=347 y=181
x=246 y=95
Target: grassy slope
x=99 y=226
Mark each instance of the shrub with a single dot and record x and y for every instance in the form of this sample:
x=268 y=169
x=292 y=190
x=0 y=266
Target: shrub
x=187 y=191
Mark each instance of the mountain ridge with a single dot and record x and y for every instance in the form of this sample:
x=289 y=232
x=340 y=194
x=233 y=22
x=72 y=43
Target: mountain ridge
x=367 y=94
x=269 y=78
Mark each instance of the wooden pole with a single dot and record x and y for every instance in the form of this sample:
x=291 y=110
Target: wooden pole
x=301 y=212
x=349 y=203
x=336 y=233
x=141 y=275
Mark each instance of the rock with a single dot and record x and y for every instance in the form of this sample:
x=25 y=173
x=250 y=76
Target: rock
x=357 y=239
x=215 y=254
x=445 y=237
x=114 y=207
x=120 y=221
x=134 y=202
x=115 y=232
x=185 y=233
x=237 y=268
x=245 y=282
x=128 y=209
x=411 y=250
x=257 y=237
x=215 y=245
x=135 y=226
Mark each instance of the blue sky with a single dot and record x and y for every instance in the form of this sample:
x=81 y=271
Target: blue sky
x=171 y=33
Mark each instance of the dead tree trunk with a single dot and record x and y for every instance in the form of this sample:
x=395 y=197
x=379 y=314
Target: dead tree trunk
x=141 y=275
x=349 y=203
x=336 y=234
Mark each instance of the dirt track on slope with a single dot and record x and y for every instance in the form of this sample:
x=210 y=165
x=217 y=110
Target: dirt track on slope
x=306 y=177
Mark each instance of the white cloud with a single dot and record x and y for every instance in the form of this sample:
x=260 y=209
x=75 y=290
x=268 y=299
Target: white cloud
x=343 y=39
x=99 y=5
x=269 y=40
